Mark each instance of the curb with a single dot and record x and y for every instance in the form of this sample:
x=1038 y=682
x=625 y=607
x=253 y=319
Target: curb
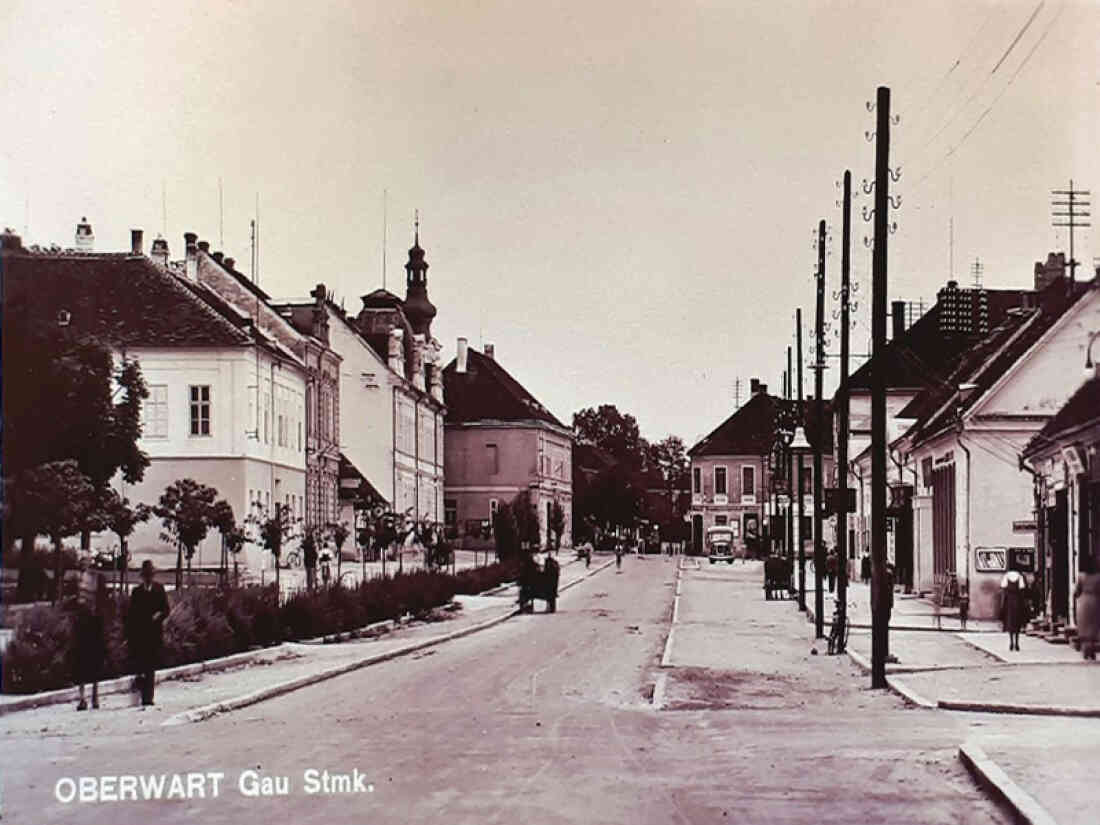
x=989 y=775
x=666 y=656
x=894 y=684
x=122 y=684
x=1020 y=710
x=205 y=712
x=659 y=691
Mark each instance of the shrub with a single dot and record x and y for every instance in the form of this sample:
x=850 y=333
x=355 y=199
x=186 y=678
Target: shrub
x=479 y=579
x=253 y=616
x=39 y=654
x=197 y=628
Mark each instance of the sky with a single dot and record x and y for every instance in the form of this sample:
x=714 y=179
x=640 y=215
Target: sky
x=622 y=196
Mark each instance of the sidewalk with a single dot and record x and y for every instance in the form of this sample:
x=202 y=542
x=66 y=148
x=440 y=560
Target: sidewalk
x=909 y=612
x=273 y=670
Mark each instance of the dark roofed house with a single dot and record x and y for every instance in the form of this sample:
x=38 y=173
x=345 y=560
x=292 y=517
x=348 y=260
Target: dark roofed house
x=500 y=441
x=731 y=476
x=198 y=353
x=961 y=451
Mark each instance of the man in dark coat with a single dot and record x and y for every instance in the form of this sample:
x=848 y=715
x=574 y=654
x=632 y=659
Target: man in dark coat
x=148 y=610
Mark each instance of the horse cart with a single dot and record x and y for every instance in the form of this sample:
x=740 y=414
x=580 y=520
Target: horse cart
x=538 y=583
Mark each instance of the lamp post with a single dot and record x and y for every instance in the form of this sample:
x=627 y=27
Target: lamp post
x=800 y=446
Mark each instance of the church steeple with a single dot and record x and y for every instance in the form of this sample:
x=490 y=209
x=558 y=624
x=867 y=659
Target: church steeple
x=418 y=309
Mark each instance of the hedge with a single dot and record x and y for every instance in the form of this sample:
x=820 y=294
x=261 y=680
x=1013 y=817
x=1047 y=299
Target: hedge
x=206 y=624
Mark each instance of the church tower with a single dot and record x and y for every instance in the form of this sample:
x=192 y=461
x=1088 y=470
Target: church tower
x=418 y=309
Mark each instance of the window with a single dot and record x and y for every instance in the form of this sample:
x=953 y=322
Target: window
x=720 y=481
x=299 y=436
x=492 y=508
x=721 y=521
x=748 y=482
x=493 y=459
x=200 y=410
x=154 y=415
x=696 y=480
x=450 y=512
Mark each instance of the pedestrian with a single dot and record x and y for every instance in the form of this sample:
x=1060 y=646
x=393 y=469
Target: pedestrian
x=89 y=612
x=1013 y=609
x=865 y=567
x=831 y=566
x=618 y=557
x=1087 y=595
x=964 y=604
x=144 y=624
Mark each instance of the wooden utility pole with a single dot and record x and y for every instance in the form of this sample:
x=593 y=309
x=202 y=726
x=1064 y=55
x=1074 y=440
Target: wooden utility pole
x=801 y=422
x=880 y=599
x=842 y=414
x=819 y=430
x=790 y=486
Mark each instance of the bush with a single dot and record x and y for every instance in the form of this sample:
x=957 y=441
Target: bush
x=39 y=654
x=479 y=579
x=253 y=616
x=197 y=628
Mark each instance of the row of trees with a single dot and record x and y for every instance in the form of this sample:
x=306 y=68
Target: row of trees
x=617 y=493
x=516 y=527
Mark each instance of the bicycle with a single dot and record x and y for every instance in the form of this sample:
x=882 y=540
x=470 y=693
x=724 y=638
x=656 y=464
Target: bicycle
x=838 y=636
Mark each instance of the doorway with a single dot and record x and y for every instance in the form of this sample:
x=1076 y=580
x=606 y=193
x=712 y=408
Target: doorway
x=1058 y=519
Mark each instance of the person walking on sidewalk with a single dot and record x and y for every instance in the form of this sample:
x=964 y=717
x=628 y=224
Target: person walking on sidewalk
x=145 y=621
x=1013 y=593
x=1087 y=595
x=89 y=612
x=865 y=567
x=831 y=566
x=618 y=557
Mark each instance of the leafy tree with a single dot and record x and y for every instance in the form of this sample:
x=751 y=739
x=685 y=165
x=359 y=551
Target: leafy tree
x=556 y=525
x=59 y=404
x=526 y=519
x=505 y=534
x=613 y=431
x=61 y=500
x=273 y=531
x=121 y=518
x=188 y=510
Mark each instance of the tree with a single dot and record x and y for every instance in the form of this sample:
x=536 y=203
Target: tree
x=121 y=518
x=273 y=531
x=188 y=510
x=669 y=458
x=61 y=500
x=58 y=404
x=505 y=535
x=556 y=525
x=526 y=518
x=613 y=431
x=339 y=532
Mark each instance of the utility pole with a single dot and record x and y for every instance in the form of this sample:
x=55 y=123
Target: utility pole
x=880 y=599
x=790 y=489
x=819 y=431
x=1077 y=205
x=801 y=422
x=842 y=413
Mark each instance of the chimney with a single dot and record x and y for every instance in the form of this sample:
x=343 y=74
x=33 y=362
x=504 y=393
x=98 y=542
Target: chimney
x=897 y=319
x=192 y=256
x=159 y=251
x=205 y=246
x=754 y=387
x=396 y=351
x=217 y=256
x=460 y=359
x=228 y=264
x=136 y=242
x=490 y=352
x=1047 y=273
x=435 y=376
x=85 y=238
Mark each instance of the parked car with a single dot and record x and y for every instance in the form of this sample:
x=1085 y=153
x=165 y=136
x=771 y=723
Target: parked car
x=720 y=544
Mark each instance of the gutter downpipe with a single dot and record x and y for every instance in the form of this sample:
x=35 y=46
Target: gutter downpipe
x=1040 y=529
x=965 y=449
x=901 y=480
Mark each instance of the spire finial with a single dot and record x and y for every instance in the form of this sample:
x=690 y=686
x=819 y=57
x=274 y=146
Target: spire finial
x=416 y=227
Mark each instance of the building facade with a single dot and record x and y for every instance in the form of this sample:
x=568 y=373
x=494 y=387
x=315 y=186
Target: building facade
x=500 y=442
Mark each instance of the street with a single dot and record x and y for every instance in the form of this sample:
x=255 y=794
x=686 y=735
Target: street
x=548 y=718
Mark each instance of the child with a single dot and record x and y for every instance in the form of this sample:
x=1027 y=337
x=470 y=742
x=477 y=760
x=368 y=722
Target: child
x=964 y=604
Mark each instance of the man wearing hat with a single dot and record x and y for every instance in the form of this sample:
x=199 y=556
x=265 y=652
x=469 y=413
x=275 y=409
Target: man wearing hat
x=148 y=609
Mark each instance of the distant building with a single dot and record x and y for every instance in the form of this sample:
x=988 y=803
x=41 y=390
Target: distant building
x=500 y=441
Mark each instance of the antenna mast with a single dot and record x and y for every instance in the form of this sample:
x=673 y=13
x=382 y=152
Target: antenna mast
x=1077 y=205
x=221 y=217
x=385 y=194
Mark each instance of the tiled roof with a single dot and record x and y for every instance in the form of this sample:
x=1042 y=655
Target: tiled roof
x=486 y=392
x=989 y=359
x=123 y=299
x=1082 y=408
x=751 y=429
x=924 y=355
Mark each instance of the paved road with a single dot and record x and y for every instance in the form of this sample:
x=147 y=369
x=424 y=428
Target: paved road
x=546 y=719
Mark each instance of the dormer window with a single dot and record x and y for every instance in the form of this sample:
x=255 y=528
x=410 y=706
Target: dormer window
x=63 y=317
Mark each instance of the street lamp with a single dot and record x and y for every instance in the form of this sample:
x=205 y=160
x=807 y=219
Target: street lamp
x=800 y=446
x=1090 y=366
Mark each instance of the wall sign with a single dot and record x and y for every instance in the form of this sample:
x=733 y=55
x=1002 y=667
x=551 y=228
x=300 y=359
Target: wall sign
x=990 y=559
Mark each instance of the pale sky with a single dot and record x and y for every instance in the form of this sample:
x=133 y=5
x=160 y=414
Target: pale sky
x=620 y=195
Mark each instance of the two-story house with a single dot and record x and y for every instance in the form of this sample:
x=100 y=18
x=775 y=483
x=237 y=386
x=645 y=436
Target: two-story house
x=202 y=361
x=500 y=441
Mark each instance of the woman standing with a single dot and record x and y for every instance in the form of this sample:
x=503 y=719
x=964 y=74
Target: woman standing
x=88 y=623
x=1087 y=594
x=1013 y=593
